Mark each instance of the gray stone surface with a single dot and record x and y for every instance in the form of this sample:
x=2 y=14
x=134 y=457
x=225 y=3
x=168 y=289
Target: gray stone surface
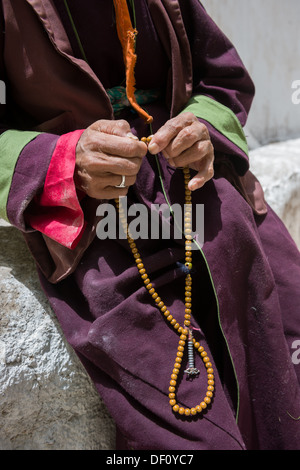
x=46 y=399
x=277 y=167
x=47 y=402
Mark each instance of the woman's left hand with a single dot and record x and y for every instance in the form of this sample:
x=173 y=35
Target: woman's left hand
x=184 y=141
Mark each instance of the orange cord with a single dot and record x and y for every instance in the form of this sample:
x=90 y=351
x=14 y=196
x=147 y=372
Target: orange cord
x=127 y=35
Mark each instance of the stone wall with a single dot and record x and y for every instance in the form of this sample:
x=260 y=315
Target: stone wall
x=47 y=401
x=266 y=35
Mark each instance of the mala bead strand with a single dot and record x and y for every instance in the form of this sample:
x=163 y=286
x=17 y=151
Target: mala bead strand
x=185 y=331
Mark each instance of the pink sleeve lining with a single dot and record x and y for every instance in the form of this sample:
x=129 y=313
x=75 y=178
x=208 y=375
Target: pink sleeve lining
x=57 y=212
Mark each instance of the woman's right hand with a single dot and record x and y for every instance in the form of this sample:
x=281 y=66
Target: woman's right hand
x=105 y=152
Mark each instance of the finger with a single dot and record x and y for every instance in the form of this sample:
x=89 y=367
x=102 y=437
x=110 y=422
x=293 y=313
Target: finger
x=194 y=154
x=162 y=138
x=119 y=127
x=115 y=145
x=110 y=192
x=186 y=138
x=205 y=174
x=98 y=164
x=111 y=180
x=104 y=187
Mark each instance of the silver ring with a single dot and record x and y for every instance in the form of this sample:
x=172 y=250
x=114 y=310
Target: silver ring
x=122 y=184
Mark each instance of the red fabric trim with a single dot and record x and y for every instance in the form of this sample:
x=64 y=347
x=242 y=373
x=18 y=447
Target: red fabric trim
x=57 y=212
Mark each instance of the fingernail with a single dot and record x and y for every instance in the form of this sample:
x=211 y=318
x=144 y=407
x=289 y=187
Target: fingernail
x=153 y=148
x=193 y=185
x=132 y=136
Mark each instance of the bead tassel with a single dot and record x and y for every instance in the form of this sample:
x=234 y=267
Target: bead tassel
x=185 y=331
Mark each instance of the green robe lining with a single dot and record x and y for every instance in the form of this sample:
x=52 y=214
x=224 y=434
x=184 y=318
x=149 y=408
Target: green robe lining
x=12 y=143
x=220 y=117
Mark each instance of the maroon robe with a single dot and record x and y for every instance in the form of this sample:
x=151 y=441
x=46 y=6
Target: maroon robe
x=95 y=290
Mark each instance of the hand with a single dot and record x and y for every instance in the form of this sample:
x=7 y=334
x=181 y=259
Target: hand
x=105 y=151
x=184 y=141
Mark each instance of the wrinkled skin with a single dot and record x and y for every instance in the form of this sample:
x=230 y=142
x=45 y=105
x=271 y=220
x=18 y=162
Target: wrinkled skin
x=107 y=150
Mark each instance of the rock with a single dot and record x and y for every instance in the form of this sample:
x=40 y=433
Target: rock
x=47 y=401
x=277 y=166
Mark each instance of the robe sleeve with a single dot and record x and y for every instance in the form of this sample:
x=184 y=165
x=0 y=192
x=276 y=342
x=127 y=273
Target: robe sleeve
x=39 y=193
x=222 y=88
